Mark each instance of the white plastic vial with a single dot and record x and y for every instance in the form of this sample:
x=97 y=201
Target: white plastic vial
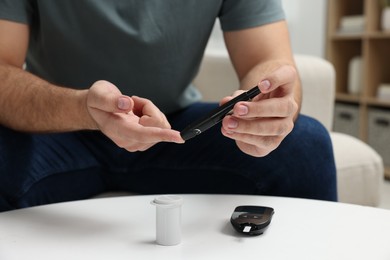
x=168 y=219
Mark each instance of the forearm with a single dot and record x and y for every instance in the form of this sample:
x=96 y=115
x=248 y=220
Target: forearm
x=257 y=52
x=28 y=103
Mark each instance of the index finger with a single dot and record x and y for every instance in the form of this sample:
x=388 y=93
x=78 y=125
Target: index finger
x=147 y=135
x=144 y=106
x=274 y=107
x=150 y=114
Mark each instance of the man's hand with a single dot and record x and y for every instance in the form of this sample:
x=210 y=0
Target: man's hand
x=133 y=123
x=261 y=125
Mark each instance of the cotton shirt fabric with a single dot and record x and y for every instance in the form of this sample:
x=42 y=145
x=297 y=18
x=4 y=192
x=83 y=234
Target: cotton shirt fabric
x=150 y=48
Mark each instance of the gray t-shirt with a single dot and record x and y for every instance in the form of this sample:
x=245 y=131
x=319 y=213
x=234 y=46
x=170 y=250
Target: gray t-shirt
x=148 y=48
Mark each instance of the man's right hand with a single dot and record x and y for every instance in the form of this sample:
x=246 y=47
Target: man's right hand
x=132 y=123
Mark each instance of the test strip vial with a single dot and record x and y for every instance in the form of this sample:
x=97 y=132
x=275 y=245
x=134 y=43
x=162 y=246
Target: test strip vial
x=168 y=219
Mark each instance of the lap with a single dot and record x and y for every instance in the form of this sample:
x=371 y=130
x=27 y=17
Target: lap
x=28 y=160
x=303 y=165
x=209 y=163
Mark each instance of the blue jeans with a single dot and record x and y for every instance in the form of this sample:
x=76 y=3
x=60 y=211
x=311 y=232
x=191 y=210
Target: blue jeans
x=39 y=169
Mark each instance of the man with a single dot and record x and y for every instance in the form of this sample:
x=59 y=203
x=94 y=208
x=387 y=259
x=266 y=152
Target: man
x=107 y=87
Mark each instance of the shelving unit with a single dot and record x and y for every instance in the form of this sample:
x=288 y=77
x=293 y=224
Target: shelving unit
x=363 y=114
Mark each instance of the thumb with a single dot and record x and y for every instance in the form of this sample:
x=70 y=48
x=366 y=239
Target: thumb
x=105 y=96
x=124 y=104
x=285 y=75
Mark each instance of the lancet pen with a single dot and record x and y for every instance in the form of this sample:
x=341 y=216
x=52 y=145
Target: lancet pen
x=216 y=115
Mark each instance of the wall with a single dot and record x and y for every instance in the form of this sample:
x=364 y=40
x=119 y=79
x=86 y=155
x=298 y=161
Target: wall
x=307 y=24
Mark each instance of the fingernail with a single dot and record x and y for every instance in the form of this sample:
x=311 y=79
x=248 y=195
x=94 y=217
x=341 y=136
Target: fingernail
x=232 y=123
x=123 y=103
x=242 y=110
x=265 y=84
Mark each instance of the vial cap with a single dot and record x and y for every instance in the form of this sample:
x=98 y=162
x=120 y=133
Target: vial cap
x=168 y=201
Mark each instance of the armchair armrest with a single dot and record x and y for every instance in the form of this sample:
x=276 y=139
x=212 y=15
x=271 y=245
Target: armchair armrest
x=318 y=88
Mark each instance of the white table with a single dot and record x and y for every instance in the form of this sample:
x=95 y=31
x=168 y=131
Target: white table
x=124 y=228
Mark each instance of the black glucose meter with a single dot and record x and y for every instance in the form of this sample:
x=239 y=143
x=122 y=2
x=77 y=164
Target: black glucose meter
x=251 y=220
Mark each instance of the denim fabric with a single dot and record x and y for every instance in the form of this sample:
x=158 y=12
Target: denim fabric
x=39 y=169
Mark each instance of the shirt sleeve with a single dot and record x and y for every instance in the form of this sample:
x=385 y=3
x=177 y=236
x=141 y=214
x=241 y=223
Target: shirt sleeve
x=16 y=10
x=242 y=14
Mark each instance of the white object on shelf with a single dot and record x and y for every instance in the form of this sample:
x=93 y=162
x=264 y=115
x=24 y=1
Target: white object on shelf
x=355 y=73
x=385 y=19
x=383 y=92
x=352 y=24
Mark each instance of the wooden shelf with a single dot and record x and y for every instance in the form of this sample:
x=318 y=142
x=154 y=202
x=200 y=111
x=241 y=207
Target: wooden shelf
x=338 y=36
x=347 y=36
x=373 y=46
x=378 y=35
x=348 y=98
x=378 y=102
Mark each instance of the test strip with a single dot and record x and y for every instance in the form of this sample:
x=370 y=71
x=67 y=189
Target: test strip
x=247 y=229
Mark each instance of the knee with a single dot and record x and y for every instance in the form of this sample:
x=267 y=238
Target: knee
x=311 y=143
x=313 y=151
x=312 y=137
